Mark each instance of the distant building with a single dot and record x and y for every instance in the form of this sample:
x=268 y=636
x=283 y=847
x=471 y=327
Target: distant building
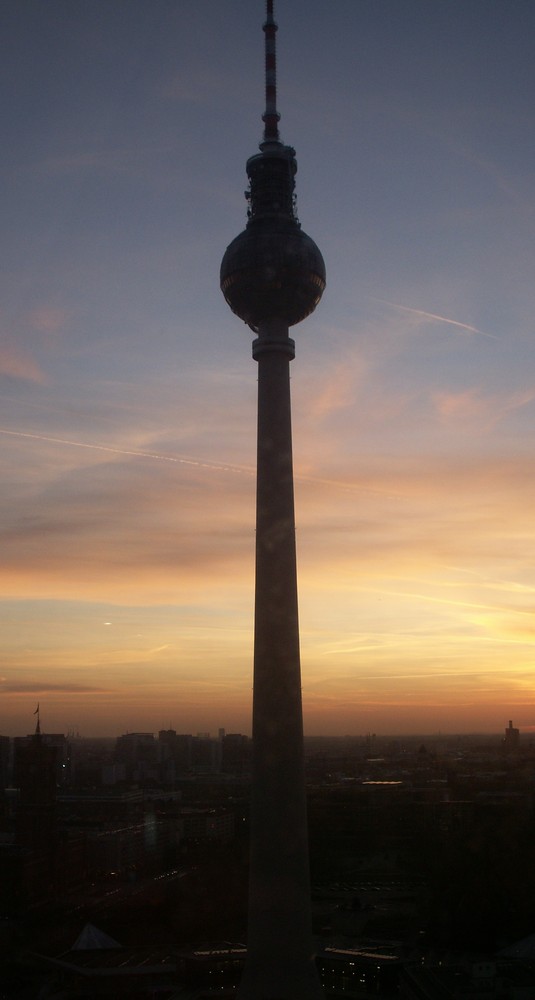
x=140 y=848
x=216 y=966
x=124 y=833
x=39 y=861
x=5 y=745
x=511 y=739
x=207 y=824
x=476 y=981
x=236 y=754
x=205 y=754
x=63 y=754
x=174 y=755
x=352 y=972
x=35 y=777
x=97 y=965
x=138 y=752
x=31 y=862
x=113 y=774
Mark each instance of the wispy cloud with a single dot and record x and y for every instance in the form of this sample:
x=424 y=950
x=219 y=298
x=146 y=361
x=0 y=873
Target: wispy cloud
x=461 y=406
x=109 y=160
x=473 y=405
x=335 y=390
x=47 y=318
x=41 y=687
x=17 y=364
x=202 y=86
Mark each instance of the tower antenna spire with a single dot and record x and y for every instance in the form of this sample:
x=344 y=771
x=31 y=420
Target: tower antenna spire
x=271 y=116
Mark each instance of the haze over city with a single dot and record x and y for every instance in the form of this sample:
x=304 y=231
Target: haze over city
x=128 y=393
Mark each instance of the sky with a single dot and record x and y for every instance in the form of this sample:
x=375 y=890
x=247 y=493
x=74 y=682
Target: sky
x=128 y=391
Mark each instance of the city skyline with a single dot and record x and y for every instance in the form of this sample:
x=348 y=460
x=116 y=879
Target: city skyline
x=127 y=429
x=219 y=734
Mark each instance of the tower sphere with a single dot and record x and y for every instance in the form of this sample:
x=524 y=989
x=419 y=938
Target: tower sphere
x=275 y=272
x=272 y=270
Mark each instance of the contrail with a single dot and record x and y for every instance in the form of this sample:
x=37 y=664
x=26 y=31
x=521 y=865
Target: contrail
x=217 y=466
x=449 y=602
x=439 y=319
x=179 y=459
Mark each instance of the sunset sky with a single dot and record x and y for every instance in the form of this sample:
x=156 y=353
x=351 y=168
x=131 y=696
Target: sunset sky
x=128 y=391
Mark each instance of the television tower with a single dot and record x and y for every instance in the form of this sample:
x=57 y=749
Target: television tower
x=273 y=276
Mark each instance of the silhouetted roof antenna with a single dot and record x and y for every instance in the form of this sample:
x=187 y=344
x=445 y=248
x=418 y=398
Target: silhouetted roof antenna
x=271 y=116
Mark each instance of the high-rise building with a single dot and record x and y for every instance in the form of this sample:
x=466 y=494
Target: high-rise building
x=273 y=276
x=35 y=770
x=64 y=755
x=512 y=737
x=235 y=754
x=5 y=745
x=35 y=777
x=138 y=752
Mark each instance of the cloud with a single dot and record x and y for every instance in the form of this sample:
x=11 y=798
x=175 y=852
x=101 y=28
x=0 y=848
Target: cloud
x=202 y=87
x=461 y=406
x=471 y=405
x=41 y=687
x=140 y=524
x=125 y=160
x=334 y=390
x=48 y=318
x=17 y=364
x=164 y=526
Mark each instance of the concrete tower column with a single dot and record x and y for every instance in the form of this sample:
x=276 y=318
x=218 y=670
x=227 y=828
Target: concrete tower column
x=280 y=952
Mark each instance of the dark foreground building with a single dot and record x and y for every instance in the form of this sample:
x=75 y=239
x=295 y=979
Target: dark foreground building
x=272 y=277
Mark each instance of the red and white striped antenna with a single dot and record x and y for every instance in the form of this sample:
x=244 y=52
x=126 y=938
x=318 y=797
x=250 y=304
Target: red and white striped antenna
x=271 y=116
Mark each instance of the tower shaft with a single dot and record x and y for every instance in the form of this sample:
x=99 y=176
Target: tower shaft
x=280 y=952
x=272 y=276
